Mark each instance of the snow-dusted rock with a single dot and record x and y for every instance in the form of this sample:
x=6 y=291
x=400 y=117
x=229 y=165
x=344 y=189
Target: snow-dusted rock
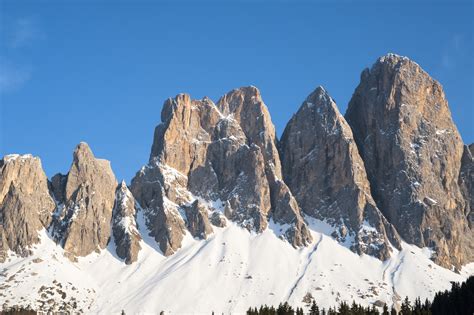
x=198 y=219
x=412 y=153
x=25 y=203
x=124 y=226
x=322 y=167
x=82 y=220
x=224 y=152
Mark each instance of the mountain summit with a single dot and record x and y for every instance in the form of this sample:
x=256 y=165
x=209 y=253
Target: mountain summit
x=412 y=153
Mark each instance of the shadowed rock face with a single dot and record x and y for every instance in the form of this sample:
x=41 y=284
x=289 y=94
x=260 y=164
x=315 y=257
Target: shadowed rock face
x=26 y=205
x=466 y=182
x=246 y=106
x=198 y=220
x=412 y=153
x=124 y=225
x=83 y=220
x=322 y=167
x=223 y=154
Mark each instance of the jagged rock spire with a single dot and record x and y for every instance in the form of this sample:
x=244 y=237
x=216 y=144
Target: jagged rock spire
x=322 y=167
x=224 y=153
x=82 y=222
x=25 y=203
x=124 y=225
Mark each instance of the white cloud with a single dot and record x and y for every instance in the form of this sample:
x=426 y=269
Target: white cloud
x=453 y=52
x=19 y=34
x=12 y=77
x=24 y=32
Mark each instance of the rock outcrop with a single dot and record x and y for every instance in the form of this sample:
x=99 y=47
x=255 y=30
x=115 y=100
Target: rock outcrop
x=198 y=219
x=26 y=205
x=124 y=225
x=466 y=182
x=246 y=106
x=412 y=153
x=323 y=168
x=226 y=156
x=83 y=218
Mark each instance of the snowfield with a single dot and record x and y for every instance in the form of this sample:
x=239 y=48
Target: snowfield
x=227 y=273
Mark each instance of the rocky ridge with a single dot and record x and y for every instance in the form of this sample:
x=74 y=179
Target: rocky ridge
x=393 y=168
x=222 y=159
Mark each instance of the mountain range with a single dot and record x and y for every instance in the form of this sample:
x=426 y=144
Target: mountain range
x=370 y=206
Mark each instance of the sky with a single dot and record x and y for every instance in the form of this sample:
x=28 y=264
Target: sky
x=100 y=71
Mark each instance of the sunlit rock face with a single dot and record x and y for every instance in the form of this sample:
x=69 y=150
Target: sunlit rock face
x=412 y=153
x=225 y=156
x=26 y=205
x=82 y=222
x=323 y=168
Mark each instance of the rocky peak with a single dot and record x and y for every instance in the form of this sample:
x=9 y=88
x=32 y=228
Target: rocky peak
x=412 y=153
x=82 y=222
x=124 y=226
x=246 y=106
x=225 y=155
x=25 y=203
x=322 y=167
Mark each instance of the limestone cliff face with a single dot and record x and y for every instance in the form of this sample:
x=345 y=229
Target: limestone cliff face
x=246 y=106
x=466 y=182
x=412 y=153
x=323 y=168
x=224 y=155
x=124 y=225
x=160 y=187
x=26 y=205
x=83 y=218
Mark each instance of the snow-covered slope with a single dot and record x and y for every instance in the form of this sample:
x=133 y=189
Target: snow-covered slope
x=228 y=272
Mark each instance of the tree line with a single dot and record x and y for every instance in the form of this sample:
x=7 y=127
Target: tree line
x=459 y=300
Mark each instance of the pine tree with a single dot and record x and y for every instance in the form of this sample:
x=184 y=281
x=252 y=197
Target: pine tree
x=314 y=310
x=343 y=308
x=406 y=308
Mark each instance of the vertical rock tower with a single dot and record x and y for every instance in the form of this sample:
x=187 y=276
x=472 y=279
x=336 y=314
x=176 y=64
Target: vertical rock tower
x=26 y=205
x=412 y=153
x=83 y=218
x=322 y=166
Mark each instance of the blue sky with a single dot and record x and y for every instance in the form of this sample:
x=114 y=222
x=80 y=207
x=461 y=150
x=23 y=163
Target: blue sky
x=99 y=72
